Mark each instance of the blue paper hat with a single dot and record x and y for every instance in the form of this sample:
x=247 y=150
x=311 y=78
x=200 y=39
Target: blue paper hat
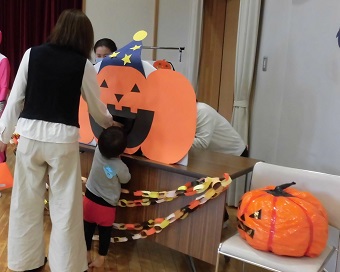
x=129 y=55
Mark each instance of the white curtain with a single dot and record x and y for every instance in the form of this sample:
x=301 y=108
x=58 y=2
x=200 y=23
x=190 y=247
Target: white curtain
x=249 y=16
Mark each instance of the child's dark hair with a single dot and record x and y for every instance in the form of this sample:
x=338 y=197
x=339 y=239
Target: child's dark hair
x=107 y=43
x=112 y=142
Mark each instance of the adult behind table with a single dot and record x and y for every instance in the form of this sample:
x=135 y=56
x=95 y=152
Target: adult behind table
x=44 y=105
x=215 y=133
x=103 y=48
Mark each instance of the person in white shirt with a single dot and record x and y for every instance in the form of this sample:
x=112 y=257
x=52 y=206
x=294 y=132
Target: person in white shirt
x=43 y=107
x=215 y=133
x=102 y=48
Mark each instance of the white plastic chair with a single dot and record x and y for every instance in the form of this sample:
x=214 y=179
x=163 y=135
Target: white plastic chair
x=325 y=187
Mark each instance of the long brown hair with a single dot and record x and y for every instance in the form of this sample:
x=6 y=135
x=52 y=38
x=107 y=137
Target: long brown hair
x=74 y=30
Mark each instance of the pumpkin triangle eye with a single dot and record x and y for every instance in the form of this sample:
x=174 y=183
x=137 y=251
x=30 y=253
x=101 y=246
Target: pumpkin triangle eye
x=104 y=84
x=242 y=217
x=135 y=89
x=256 y=215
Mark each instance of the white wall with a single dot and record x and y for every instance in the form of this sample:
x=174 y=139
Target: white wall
x=119 y=20
x=297 y=101
x=295 y=119
x=178 y=26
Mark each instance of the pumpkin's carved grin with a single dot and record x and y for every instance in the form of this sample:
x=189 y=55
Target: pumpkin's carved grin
x=137 y=125
x=241 y=222
x=245 y=228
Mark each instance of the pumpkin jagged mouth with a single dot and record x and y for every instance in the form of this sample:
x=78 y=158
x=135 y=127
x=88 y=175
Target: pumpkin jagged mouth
x=245 y=228
x=136 y=125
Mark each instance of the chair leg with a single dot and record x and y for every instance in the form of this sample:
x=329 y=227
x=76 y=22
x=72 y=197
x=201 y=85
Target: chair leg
x=243 y=266
x=217 y=262
x=246 y=183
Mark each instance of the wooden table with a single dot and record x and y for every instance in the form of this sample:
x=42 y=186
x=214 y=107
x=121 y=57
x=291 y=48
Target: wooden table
x=200 y=233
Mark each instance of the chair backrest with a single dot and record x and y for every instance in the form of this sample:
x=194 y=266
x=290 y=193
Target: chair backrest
x=325 y=187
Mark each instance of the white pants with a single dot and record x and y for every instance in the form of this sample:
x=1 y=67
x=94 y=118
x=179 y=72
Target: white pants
x=26 y=246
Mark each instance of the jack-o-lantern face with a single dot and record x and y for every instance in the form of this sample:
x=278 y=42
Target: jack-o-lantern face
x=284 y=221
x=162 y=64
x=158 y=112
x=121 y=102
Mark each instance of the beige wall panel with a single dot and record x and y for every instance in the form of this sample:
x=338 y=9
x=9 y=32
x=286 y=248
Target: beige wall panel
x=211 y=56
x=226 y=97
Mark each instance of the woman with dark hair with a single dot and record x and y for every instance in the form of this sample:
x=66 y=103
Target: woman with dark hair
x=104 y=47
x=43 y=106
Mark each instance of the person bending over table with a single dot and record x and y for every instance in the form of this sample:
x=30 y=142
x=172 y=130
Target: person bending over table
x=215 y=133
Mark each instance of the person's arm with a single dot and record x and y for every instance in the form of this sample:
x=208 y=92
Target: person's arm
x=3 y=147
x=15 y=101
x=123 y=174
x=204 y=128
x=91 y=93
x=4 y=78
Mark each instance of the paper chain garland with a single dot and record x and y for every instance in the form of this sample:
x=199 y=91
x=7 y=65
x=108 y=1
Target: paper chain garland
x=151 y=197
x=212 y=187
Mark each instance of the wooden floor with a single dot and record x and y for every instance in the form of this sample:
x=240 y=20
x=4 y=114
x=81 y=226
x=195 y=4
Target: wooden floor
x=135 y=256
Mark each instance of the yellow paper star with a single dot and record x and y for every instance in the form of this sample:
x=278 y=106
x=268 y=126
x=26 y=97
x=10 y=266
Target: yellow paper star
x=114 y=54
x=126 y=59
x=135 y=47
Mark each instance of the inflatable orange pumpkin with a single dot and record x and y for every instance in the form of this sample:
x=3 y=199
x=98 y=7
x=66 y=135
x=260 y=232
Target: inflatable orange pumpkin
x=284 y=221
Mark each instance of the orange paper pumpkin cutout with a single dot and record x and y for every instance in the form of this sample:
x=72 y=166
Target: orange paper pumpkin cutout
x=6 y=178
x=162 y=107
x=158 y=111
x=284 y=221
x=162 y=64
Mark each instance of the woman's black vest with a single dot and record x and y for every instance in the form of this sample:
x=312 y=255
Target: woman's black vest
x=54 y=80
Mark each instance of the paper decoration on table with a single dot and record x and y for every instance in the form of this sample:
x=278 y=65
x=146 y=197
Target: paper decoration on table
x=209 y=189
x=158 y=110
